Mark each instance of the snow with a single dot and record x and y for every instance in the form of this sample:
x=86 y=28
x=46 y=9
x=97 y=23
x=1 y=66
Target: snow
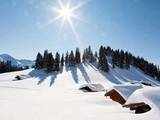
x=126 y=90
x=54 y=96
x=93 y=87
x=149 y=95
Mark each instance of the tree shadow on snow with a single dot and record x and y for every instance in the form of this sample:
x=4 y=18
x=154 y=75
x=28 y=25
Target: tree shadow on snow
x=42 y=75
x=112 y=78
x=73 y=70
x=53 y=77
x=84 y=73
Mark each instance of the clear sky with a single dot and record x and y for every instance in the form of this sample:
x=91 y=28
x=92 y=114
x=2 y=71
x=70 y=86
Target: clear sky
x=133 y=25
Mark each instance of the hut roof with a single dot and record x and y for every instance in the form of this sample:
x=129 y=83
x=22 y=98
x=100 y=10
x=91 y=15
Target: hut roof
x=93 y=87
x=125 y=90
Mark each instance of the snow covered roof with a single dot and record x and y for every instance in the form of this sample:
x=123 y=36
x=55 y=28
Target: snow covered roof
x=125 y=90
x=149 y=95
x=94 y=87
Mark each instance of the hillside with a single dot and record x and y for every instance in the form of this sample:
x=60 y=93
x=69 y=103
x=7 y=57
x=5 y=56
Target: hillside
x=56 y=96
x=16 y=62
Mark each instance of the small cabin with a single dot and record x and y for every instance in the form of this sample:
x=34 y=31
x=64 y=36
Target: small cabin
x=121 y=93
x=115 y=96
x=91 y=88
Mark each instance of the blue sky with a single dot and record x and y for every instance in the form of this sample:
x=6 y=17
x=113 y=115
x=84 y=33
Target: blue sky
x=131 y=25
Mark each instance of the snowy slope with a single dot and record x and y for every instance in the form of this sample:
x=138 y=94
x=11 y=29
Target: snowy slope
x=55 y=96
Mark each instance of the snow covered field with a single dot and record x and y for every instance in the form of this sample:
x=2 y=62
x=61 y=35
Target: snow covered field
x=56 y=96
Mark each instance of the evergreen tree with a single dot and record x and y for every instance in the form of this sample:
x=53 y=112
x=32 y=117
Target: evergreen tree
x=88 y=55
x=39 y=61
x=71 y=59
x=113 y=59
x=84 y=56
x=57 y=62
x=77 y=56
x=126 y=61
x=121 y=59
x=45 y=59
x=50 y=65
x=67 y=58
x=108 y=51
x=62 y=60
x=103 y=64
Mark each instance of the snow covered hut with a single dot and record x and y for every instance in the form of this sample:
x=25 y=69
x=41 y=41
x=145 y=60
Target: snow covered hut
x=121 y=93
x=91 y=88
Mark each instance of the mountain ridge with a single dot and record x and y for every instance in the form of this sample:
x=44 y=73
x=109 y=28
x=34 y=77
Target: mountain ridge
x=16 y=62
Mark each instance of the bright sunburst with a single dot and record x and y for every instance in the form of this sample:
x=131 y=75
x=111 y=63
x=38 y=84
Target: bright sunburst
x=66 y=13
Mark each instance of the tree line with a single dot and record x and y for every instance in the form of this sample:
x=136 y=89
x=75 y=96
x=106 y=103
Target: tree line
x=8 y=67
x=102 y=58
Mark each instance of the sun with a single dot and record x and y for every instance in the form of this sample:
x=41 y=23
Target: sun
x=66 y=13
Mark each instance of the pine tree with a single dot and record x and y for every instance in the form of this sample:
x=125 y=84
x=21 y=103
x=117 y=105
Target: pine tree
x=126 y=60
x=77 y=56
x=84 y=56
x=50 y=65
x=121 y=59
x=71 y=59
x=108 y=51
x=45 y=59
x=113 y=60
x=39 y=61
x=62 y=60
x=57 y=62
x=103 y=64
x=67 y=59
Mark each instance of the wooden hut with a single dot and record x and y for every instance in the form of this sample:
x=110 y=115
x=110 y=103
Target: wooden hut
x=91 y=88
x=121 y=93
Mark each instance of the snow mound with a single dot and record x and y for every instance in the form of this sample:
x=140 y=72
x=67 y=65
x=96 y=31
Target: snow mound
x=126 y=90
x=149 y=95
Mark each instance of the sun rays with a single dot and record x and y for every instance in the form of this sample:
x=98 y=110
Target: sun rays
x=67 y=14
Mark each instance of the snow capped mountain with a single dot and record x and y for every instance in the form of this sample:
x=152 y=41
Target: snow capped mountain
x=15 y=62
x=6 y=57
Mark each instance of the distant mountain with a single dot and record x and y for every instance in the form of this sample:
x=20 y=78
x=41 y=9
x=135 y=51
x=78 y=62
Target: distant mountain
x=16 y=62
x=26 y=62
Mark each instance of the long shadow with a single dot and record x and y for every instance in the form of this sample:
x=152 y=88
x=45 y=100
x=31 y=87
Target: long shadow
x=73 y=70
x=113 y=79
x=42 y=75
x=109 y=76
x=94 y=65
x=120 y=76
x=84 y=73
x=53 y=77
